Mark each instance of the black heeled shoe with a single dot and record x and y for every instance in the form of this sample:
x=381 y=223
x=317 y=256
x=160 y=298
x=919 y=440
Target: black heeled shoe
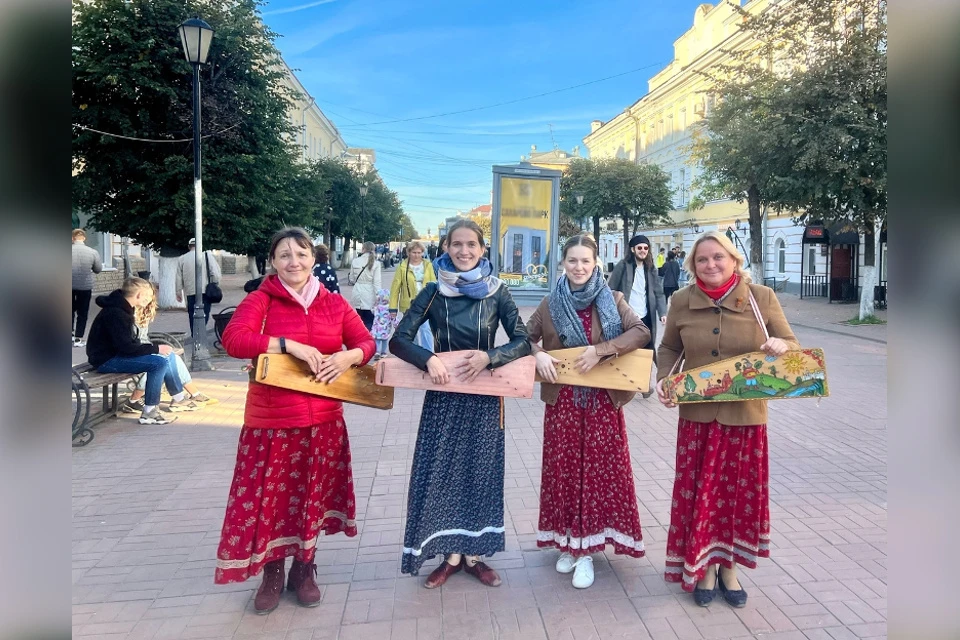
x=703 y=597
x=736 y=599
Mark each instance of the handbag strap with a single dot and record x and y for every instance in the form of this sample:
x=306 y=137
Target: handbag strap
x=678 y=365
x=206 y=258
x=756 y=313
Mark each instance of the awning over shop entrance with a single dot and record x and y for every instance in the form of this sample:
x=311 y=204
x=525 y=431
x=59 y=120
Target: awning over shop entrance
x=832 y=235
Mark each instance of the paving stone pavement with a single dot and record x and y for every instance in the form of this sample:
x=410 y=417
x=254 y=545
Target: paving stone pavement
x=148 y=504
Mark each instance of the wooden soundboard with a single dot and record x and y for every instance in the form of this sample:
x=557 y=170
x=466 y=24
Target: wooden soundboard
x=628 y=372
x=512 y=380
x=799 y=373
x=356 y=385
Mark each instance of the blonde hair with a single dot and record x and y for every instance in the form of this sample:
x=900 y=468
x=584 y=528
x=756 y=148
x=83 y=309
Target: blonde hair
x=416 y=244
x=133 y=284
x=79 y=233
x=143 y=316
x=689 y=262
x=370 y=249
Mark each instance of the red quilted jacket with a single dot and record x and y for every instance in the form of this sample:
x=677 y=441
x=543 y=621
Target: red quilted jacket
x=329 y=324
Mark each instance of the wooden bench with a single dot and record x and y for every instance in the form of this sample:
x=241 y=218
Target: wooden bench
x=85 y=378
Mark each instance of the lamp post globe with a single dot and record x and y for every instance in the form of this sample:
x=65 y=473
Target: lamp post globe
x=196 y=36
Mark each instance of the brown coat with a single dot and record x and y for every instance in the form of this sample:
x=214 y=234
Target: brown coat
x=635 y=335
x=708 y=333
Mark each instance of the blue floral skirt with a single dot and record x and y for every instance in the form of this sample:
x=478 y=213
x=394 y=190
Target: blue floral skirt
x=455 y=504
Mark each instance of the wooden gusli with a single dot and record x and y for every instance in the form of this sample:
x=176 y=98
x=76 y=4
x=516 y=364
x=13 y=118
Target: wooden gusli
x=513 y=380
x=628 y=372
x=356 y=385
x=799 y=373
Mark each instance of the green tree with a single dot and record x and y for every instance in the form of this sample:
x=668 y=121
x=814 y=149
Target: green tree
x=639 y=195
x=130 y=78
x=689 y=384
x=801 y=120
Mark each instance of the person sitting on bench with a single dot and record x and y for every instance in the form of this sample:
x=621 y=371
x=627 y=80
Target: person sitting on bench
x=113 y=347
x=142 y=317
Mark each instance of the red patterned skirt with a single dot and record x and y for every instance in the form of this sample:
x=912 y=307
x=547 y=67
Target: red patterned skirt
x=721 y=500
x=289 y=485
x=587 y=496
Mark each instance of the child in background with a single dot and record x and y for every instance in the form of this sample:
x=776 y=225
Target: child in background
x=382 y=323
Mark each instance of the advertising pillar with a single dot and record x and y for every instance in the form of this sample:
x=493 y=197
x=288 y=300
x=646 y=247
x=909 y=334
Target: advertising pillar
x=525 y=228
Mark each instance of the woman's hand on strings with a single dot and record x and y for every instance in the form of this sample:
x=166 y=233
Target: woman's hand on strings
x=774 y=347
x=472 y=364
x=546 y=366
x=587 y=360
x=438 y=372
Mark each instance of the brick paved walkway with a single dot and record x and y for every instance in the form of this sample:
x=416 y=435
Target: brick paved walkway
x=148 y=503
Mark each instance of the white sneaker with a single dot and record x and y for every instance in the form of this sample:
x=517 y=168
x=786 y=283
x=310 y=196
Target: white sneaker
x=77 y=342
x=583 y=575
x=566 y=563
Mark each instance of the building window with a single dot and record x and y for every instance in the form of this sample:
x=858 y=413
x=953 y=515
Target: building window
x=781 y=256
x=683 y=119
x=683 y=187
x=812 y=261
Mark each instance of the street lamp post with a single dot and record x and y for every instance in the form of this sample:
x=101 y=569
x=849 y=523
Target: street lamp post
x=363 y=223
x=195 y=36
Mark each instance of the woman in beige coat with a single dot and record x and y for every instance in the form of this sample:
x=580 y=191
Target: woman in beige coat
x=587 y=496
x=720 y=513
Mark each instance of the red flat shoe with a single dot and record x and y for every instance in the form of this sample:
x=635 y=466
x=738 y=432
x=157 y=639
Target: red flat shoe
x=483 y=573
x=439 y=575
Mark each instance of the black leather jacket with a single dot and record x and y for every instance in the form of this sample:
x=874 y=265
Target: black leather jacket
x=460 y=324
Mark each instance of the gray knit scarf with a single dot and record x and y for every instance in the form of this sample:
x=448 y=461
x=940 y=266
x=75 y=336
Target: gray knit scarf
x=564 y=304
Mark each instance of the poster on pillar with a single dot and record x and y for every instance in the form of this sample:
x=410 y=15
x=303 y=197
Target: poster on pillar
x=523 y=242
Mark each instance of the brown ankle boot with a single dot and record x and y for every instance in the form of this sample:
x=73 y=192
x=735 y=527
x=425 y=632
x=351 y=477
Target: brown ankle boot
x=268 y=595
x=302 y=580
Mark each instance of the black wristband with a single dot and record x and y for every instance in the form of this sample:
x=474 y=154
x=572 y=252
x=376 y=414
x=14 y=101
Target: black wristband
x=283 y=345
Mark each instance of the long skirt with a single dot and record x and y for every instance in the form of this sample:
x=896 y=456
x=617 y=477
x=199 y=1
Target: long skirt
x=455 y=503
x=587 y=496
x=721 y=500
x=289 y=485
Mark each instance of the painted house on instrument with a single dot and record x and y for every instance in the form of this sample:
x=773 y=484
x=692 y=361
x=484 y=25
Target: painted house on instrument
x=657 y=129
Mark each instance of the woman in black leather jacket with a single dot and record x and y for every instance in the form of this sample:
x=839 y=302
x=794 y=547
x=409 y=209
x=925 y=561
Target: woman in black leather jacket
x=455 y=505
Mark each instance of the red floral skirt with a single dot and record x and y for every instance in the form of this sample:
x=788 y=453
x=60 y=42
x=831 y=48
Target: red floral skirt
x=289 y=485
x=721 y=500
x=587 y=496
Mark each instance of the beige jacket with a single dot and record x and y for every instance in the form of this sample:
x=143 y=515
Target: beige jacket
x=707 y=333
x=635 y=335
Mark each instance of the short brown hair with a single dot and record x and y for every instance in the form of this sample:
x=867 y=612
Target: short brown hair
x=464 y=223
x=321 y=253
x=297 y=234
x=79 y=233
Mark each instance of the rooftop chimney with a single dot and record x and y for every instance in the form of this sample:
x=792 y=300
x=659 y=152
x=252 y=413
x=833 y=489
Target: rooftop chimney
x=595 y=124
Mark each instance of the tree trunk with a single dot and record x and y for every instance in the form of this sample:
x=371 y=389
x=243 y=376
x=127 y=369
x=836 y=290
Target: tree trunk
x=252 y=267
x=596 y=228
x=167 y=296
x=870 y=249
x=626 y=230
x=756 y=234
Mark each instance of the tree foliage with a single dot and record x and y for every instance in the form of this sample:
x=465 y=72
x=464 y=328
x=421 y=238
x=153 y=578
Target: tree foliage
x=130 y=78
x=639 y=195
x=801 y=116
x=330 y=192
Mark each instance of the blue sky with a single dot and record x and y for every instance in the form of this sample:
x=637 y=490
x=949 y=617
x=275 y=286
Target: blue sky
x=378 y=61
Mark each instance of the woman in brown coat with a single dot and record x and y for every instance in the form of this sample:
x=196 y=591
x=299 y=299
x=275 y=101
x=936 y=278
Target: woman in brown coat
x=721 y=503
x=587 y=497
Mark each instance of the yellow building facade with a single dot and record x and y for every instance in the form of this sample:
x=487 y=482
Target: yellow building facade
x=316 y=136
x=658 y=129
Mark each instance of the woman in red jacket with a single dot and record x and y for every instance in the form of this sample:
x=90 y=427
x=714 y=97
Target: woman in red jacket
x=292 y=478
